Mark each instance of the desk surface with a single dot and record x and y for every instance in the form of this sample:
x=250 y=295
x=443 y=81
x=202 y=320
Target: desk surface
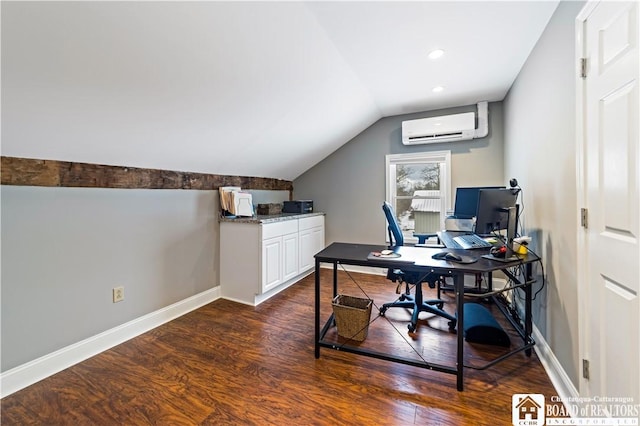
x=416 y=258
x=357 y=254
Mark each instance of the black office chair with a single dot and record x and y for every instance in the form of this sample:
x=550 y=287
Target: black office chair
x=406 y=300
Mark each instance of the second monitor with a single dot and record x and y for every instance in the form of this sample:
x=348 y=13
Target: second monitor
x=497 y=211
x=466 y=206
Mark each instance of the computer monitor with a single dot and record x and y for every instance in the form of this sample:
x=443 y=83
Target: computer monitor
x=466 y=205
x=497 y=211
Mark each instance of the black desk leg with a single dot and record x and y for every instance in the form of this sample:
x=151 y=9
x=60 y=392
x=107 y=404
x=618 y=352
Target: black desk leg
x=317 y=303
x=528 y=320
x=458 y=282
x=335 y=279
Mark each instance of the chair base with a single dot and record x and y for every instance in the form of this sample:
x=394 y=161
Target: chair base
x=431 y=306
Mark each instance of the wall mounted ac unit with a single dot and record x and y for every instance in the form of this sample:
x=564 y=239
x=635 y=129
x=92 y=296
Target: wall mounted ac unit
x=446 y=128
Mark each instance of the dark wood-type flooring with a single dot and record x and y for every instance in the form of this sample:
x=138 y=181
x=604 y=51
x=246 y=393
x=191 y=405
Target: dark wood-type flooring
x=228 y=363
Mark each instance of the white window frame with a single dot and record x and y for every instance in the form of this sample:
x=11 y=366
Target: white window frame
x=442 y=157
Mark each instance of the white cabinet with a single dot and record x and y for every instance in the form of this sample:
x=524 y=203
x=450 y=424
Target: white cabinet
x=289 y=256
x=311 y=232
x=279 y=253
x=257 y=260
x=271 y=263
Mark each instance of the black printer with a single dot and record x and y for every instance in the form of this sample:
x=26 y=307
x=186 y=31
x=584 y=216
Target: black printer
x=298 y=206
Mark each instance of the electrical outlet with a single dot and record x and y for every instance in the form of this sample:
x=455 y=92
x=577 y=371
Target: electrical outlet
x=118 y=294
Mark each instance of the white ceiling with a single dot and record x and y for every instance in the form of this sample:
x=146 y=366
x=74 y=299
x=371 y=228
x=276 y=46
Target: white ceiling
x=243 y=88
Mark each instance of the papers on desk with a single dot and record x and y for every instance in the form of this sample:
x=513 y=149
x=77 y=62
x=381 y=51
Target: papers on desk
x=234 y=202
x=396 y=257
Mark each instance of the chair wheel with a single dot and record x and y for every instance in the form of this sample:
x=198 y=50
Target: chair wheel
x=452 y=325
x=411 y=327
x=382 y=311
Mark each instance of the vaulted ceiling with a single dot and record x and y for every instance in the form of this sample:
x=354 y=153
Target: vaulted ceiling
x=243 y=88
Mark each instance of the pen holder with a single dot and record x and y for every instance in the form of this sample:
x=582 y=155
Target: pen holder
x=519 y=248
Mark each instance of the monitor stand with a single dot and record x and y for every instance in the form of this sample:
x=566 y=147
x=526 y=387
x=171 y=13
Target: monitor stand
x=512 y=225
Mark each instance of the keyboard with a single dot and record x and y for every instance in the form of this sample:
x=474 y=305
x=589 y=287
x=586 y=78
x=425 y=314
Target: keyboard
x=471 y=241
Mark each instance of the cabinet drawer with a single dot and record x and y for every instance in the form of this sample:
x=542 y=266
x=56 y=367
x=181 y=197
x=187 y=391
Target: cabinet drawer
x=311 y=222
x=278 y=229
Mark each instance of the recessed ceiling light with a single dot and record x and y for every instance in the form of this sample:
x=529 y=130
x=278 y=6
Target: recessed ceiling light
x=437 y=89
x=435 y=54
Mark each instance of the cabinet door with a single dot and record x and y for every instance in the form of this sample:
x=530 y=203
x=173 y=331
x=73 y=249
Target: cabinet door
x=271 y=263
x=289 y=256
x=311 y=242
x=317 y=238
x=306 y=250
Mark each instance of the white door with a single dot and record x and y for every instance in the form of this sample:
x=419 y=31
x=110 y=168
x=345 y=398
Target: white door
x=609 y=162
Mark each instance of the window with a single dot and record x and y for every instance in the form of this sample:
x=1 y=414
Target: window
x=418 y=189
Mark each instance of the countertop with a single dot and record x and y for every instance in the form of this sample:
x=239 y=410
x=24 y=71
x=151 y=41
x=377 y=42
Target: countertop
x=269 y=218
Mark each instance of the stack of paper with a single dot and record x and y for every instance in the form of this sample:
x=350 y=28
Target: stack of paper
x=234 y=202
x=226 y=198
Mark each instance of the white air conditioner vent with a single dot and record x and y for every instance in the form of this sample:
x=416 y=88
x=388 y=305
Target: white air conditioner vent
x=446 y=128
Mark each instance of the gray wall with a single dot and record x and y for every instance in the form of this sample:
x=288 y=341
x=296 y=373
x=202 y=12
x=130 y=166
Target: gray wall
x=540 y=151
x=349 y=185
x=64 y=249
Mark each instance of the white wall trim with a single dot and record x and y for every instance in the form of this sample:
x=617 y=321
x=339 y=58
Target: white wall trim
x=561 y=382
x=259 y=298
x=441 y=157
x=582 y=249
x=559 y=378
x=33 y=371
x=355 y=268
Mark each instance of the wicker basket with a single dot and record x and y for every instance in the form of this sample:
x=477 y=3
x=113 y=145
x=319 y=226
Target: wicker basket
x=352 y=316
x=271 y=208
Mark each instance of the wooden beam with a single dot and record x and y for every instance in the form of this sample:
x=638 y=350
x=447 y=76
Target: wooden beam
x=32 y=172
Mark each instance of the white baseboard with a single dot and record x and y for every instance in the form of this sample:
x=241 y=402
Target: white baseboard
x=33 y=371
x=559 y=378
x=356 y=268
x=269 y=294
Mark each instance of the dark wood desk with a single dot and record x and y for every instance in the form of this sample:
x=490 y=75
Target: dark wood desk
x=421 y=261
